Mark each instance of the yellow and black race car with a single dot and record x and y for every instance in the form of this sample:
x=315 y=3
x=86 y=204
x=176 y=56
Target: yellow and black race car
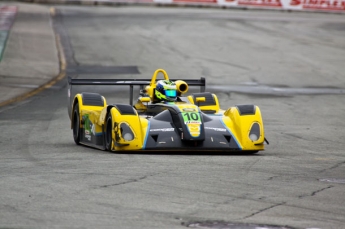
x=163 y=119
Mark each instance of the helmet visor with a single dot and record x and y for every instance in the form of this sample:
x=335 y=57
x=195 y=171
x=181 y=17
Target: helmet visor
x=170 y=93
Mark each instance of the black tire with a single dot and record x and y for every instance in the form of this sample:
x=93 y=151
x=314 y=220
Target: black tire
x=76 y=124
x=108 y=132
x=251 y=152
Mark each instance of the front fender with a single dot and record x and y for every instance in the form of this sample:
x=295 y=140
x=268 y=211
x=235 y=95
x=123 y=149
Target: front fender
x=121 y=116
x=242 y=121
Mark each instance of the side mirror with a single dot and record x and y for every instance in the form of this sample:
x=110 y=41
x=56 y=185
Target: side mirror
x=200 y=99
x=144 y=99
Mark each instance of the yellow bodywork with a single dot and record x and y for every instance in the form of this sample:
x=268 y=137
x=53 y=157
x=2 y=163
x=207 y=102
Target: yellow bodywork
x=92 y=111
x=138 y=126
x=214 y=108
x=240 y=126
x=98 y=115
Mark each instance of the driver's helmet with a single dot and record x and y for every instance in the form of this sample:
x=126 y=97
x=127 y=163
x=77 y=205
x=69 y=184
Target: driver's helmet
x=166 y=90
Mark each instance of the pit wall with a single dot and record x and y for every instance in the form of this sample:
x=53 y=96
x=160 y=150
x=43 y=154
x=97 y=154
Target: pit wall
x=7 y=16
x=300 y=5
x=333 y=6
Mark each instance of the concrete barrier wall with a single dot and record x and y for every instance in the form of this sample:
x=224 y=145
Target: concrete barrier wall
x=7 y=16
x=301 y=5
x=334 y=6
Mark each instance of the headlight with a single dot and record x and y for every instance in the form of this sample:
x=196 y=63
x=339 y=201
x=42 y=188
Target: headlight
x=126 y=132
x=128 y=137
x=253 y=137
x=254 y=133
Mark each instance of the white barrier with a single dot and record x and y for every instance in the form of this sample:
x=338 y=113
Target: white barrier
x=337 y=6
x=301 y=5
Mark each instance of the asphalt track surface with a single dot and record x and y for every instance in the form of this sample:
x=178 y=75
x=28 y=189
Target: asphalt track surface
x=297 y=182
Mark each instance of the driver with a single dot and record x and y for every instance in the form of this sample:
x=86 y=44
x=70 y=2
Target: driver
x=166 y=91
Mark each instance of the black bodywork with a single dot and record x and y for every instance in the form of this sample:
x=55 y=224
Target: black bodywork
x=167 y=130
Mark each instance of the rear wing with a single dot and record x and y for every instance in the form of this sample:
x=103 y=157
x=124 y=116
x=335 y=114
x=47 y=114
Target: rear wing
x=130 y=82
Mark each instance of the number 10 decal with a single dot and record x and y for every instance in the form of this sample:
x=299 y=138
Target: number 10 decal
x=191 y=117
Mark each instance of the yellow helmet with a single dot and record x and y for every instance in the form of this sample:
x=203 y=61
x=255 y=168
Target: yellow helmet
x=166 y=90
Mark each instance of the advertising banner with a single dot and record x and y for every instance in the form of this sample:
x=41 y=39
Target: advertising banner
x=197 y=1
x=308 y=5
x=328 y=5
x=265 y=3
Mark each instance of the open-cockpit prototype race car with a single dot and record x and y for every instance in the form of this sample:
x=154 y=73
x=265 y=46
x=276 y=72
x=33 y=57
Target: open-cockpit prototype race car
x=186 y=123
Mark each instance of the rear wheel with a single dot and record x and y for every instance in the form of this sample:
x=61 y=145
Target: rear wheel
x=76 y=124
x=108 y=132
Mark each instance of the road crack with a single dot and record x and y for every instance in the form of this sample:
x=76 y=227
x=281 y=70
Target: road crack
x=262 y=210
x=315 y=192
x=133 y=180
x=333 y=167
x=125 y=182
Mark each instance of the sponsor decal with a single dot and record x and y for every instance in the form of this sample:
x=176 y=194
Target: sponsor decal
x=89 y=127
x=270 y=3
x=319 y=4
x=163 y=1
x=87 y=124
x=325 y=5
x=194 y=129
x=188 y=110
x=197 y=1
x=192 y=122
x=163 y=129
x=132 y=1
x=216 y=129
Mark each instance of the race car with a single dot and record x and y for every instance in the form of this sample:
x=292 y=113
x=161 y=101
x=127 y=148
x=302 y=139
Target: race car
x=163 y=118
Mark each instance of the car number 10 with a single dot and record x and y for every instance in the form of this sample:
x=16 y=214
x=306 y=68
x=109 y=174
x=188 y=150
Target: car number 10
x=191 y=116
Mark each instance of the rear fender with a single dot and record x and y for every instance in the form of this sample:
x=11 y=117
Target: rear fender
x=77 y=100
x=85 y=107
x=242 y=120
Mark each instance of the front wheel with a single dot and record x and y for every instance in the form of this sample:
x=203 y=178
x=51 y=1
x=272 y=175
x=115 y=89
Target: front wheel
x=108 y=133
x=76 y=124
x=251 y=152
